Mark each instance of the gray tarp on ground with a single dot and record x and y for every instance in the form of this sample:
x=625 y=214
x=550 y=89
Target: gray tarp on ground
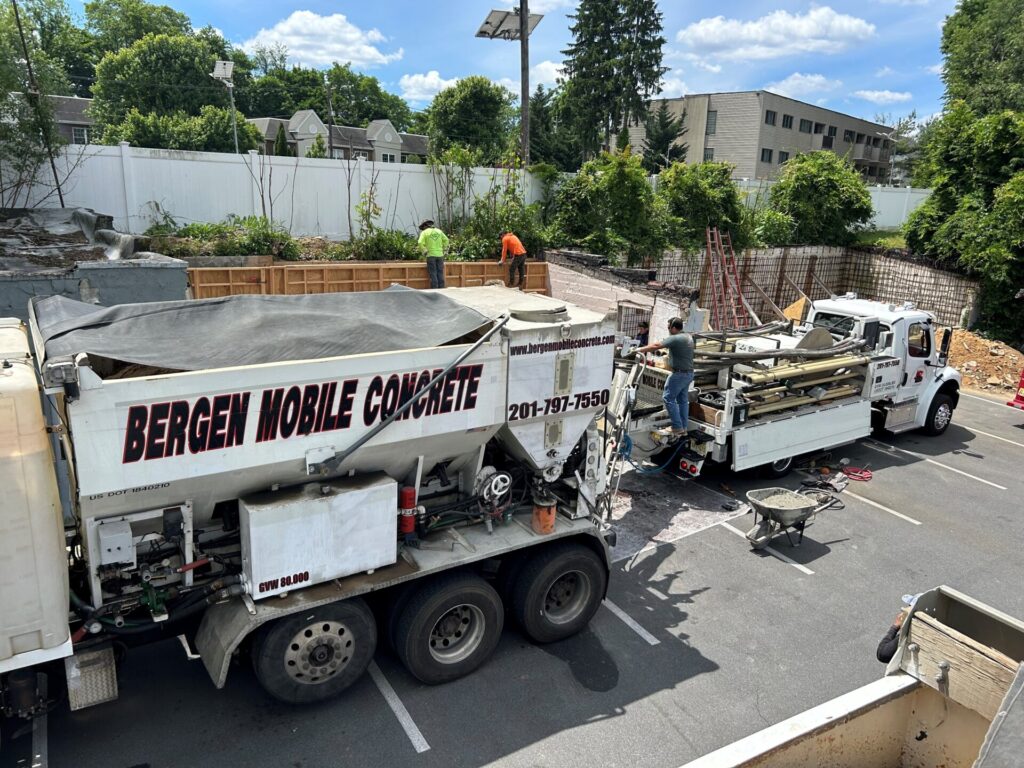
x=248 y=330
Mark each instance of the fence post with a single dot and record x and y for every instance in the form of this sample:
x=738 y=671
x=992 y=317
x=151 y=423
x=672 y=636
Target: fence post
x=127 y=184
x=257 y=208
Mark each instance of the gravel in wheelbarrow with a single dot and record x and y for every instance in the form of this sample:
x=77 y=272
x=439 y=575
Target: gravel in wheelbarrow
x=782 y=505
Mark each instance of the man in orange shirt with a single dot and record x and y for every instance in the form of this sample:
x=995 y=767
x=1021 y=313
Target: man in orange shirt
x=510 y=244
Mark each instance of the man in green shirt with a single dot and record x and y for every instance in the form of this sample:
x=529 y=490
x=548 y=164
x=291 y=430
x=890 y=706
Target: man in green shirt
x=432 y=242
x=677 y=385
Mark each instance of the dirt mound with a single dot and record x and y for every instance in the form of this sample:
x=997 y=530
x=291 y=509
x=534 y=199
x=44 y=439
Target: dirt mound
x=989 y=366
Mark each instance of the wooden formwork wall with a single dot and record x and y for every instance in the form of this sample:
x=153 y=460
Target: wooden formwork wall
x=334 y=277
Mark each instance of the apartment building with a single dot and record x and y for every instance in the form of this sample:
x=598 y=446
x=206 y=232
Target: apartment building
x=758 y=131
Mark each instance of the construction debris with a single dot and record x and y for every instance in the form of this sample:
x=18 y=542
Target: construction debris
x=987 y=365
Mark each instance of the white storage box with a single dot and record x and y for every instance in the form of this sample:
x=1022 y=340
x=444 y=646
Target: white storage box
x=297 y=537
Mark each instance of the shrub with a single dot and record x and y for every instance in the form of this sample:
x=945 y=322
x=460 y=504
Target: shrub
x=771 y=227
x=825 y=196
x=701 y=196
x=385 y=245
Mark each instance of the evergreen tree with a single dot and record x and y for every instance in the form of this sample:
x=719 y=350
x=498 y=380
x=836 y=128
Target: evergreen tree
x=622 y=140
x=661 y=145
x=983 y=41
x=551 y=136
x=318 y=149
x=281 y=148
x=613 y=66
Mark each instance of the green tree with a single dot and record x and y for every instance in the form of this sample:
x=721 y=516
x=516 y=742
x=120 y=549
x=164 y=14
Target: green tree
x=612 y=66
x=61 y=40
x=824 y=195
x=117 y=24
x=159 y=73
x=983 y=42
x=475 y=113
x=552 y=139
x=359 y=98
x=209 y=131
x=622 y=140
x=270 y=58
x=318 y=149
x=284 y=92
x=700 y=196
x=26 y=121
x=906 y=149
x=281 y=147
x=662 y=145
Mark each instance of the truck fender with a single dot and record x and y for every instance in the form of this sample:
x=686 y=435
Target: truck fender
x=949 y=387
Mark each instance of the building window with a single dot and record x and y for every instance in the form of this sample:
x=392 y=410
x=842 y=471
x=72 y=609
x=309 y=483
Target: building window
x=871 y=170
x=766 y=155
x=860 y=138
x=769 y=117
x=783 y=156
x=709 y=154
x=885 y=144
x=787 y=121
x=712 y=122
x=338 y=154
x=876 y=142
x=805 y=126
x=362 y=154
x=832 y=131
x=387 y=157
x=79 y=135
x=848 y=136
x=827 y=142
x=819 y=127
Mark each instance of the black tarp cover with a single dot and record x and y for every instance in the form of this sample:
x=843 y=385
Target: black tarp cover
x=248 y=330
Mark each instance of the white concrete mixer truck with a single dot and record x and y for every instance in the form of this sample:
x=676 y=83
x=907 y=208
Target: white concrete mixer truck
x=254 y=474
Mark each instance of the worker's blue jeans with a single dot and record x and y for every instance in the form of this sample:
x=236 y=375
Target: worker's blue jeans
x=677 y=398
x=435 y=271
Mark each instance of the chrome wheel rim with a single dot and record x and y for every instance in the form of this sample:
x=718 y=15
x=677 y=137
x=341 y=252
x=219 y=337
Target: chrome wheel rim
x=318 y=652
x=457 y=634
x=567 y=596
x=943 y=415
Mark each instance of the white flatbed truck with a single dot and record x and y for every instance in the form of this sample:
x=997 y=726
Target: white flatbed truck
x=853 y=366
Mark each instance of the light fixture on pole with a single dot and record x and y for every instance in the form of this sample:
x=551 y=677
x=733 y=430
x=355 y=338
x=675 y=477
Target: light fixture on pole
x=222 y=71
x=517 y=24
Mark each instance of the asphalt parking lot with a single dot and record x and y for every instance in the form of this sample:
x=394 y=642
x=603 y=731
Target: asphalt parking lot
x=701 y=642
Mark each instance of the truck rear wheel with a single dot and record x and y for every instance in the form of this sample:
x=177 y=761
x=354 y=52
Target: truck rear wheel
x=558 y=591
x=939 y=415
x=316 y=654
x=448 y=627
x=778 y=469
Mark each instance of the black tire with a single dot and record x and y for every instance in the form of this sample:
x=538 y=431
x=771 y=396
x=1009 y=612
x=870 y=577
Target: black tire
x=393 y=612
x=778 y=469
x=940 y=414
x=341 y=636
x=449 y=627
x=558 y=591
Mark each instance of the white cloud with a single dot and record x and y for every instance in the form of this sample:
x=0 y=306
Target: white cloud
x=904 y=2
x=424 y=87
x=509 y=83
x=673 y=87
x=700 y=62
x=319 y=41
x=885 y=71
x=801 y=86
x=546 y=72
x=547 y=6
x=934 y=69
x=884 y=97
x=779 y=33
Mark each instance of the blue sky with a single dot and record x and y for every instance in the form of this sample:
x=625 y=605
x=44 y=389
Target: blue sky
x=859 y=57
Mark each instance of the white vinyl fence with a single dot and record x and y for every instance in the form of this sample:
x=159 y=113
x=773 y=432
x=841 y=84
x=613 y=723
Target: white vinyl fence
x=138 y=187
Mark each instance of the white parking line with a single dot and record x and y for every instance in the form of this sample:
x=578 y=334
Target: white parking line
x=989 y=434
x=987 y=400
x=875 y=504
x=629 y=622
x=657 y=593
x=888 y=449
x=772 y=552
x=404 y=718
x=40 y=749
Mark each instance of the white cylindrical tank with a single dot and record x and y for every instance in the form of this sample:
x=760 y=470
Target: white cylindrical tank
x=33 y=560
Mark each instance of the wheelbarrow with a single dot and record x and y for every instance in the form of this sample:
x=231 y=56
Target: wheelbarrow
x=780 y=510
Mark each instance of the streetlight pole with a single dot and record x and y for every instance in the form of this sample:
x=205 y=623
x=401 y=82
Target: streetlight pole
x=222 y=71
x=234 y=123
x=524 y=79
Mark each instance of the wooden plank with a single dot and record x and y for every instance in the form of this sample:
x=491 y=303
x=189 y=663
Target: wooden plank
x=978 y=676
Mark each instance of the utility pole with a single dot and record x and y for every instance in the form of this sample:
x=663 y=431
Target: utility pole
x=33 y=99
x=330 y=118
x=524 y=79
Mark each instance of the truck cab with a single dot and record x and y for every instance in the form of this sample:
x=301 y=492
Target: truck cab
x=923 y=389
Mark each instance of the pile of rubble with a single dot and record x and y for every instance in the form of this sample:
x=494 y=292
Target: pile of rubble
x=989 y=366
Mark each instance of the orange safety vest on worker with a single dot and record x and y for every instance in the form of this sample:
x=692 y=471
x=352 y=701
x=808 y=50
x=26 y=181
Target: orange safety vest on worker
x=511 y=244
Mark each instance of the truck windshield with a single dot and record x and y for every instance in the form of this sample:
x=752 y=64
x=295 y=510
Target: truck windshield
x=835 y=323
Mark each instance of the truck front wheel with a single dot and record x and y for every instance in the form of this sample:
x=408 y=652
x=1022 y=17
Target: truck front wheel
x=939 y=415
x=449 y=627
x=316 y=654
x=558 y=591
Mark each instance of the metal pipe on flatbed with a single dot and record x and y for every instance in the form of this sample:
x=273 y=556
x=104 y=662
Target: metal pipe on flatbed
x=794 y=402
x=784 y=372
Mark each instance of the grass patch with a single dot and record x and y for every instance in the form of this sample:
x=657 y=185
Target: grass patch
x=882 y=238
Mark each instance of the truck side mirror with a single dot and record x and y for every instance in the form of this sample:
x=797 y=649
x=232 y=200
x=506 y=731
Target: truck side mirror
x=947 y=337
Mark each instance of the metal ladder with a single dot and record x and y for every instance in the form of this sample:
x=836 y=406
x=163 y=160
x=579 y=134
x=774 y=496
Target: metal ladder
x=728 y=307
